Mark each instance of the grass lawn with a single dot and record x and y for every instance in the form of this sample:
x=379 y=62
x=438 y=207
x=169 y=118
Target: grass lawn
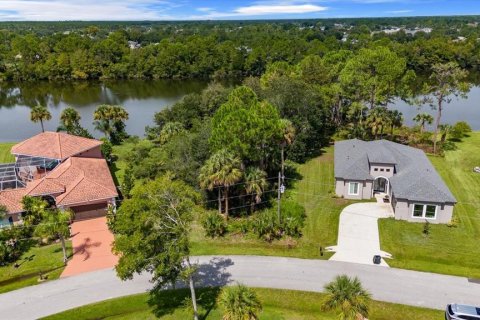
x=46 y=259
x=315 y=193
x=448 y=250
x=5 y=155
x=277 y=304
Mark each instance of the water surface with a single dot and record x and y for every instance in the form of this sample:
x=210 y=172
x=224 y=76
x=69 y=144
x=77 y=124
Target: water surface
x=140 y=98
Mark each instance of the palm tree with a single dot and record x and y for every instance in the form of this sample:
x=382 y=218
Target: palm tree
x=395 y=118
x=110 y=120
x=422 y=119
x=55 y=223
x=102 y=116
x=40 y=114
x=377 y=120
x=348 y=297
x=444 y=130
x=169 y=130
x=69 y=120
x=255 y=184
x=288 y=134
x=222 y=169
x=239 y=303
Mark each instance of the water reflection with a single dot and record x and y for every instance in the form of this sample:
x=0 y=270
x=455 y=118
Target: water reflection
x=141 y=98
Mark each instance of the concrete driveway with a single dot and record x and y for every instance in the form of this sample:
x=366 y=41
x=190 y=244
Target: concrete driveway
x=92 y=244
x=358 y=237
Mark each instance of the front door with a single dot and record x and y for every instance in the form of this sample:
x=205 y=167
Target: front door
x=380 y=185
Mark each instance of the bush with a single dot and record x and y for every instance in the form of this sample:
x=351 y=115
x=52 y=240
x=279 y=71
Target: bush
x=293 y=218
x=107 y=149
x=460 y=130
x=214 y=225
x=266 y=225
x=11 y=247
x=292 y=221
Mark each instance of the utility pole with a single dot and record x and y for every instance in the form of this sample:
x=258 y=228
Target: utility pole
x=279 y=195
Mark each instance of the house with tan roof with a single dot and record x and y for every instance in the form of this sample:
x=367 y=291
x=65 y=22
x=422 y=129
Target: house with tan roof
x=66 y=170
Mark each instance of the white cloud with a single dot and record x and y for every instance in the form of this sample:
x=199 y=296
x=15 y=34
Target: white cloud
x=85 y=9
x=205 y=9
x=279 y=9
x=399 y=11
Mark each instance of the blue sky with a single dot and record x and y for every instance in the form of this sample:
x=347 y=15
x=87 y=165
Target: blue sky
x=233 y=9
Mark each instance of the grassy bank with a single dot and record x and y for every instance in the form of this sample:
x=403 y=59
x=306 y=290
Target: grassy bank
x=47 y=260
x=277 y=304
x=5 y=155
x=449 y=250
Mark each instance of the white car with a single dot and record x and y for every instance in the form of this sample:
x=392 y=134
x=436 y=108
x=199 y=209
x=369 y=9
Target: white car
x=462 y=312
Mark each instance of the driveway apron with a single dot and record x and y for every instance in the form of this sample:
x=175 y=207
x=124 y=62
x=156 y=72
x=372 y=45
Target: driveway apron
x=358 y=236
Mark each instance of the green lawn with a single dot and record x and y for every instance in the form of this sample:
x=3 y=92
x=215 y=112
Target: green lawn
x=447 y=250
x=46 y=259
x=315 y=193
x=5 y=155
x=277 y=304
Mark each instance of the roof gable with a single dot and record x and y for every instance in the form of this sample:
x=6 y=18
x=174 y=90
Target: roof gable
x=54 y=145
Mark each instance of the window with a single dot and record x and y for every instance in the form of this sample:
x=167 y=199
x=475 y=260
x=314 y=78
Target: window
x=427 y=211
x=388 y=170
x=376 y=169
x=430 y=211
x=382 y=169
x=418 y=210
x=353 y=188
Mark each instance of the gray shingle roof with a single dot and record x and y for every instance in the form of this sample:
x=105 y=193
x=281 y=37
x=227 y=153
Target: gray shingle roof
x=415 y=178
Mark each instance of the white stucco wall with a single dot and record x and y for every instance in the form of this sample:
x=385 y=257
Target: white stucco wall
x=404 y=211
x=365 y=189
x=388 y=170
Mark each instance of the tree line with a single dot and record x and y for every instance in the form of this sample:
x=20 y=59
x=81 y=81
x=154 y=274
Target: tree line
x=218 y=50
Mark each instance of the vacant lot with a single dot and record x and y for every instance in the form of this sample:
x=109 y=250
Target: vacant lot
x=313 y=188
x=277 y=304
x=449 y=250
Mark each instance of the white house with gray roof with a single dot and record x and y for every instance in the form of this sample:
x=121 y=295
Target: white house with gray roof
x=414 y=188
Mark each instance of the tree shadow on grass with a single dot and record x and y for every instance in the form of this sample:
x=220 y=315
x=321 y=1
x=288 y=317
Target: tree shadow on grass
x=209 y=279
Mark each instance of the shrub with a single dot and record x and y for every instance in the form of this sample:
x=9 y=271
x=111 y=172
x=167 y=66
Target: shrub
x=11 y=247
x=214 y=225
x=239 y=303
x=448 y=146
x=266 y=225
x=292 y=221
x=293 y=218
x=107 y=149
x=460 y=130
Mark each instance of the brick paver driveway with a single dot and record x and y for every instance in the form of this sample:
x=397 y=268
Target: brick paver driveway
x=92 y=242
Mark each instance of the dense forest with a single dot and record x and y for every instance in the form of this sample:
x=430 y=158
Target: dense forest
x=216 y=49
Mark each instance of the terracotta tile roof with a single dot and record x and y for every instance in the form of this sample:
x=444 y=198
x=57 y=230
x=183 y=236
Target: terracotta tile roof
x=54 y=145
x=12 y=199
x=75 y=181
x=85 y=179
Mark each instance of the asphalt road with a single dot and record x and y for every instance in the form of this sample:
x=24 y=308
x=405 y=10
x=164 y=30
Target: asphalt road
x=385 y=284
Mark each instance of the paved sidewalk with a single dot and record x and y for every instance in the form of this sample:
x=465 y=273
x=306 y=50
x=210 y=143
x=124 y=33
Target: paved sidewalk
x=92 y=247
x=358 y=236
x=386 y=284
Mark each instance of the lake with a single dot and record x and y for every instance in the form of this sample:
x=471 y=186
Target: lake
x=142 y=98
